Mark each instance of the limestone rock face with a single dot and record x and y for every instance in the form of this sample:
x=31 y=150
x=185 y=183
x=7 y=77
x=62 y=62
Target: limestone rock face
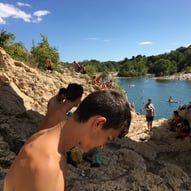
x=138 y=162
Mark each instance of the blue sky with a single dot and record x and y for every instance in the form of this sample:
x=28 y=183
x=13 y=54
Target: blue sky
x=100 y=29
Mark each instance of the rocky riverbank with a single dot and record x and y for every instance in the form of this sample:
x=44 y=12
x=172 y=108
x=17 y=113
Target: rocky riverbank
x=155 y=162
x=177 y=76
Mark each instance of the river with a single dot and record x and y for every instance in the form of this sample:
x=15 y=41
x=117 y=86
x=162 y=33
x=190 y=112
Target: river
x=139 y=90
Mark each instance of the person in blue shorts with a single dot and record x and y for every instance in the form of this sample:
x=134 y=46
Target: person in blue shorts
x=150 y=114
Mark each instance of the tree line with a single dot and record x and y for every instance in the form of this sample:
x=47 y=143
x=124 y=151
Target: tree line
x=178 y=60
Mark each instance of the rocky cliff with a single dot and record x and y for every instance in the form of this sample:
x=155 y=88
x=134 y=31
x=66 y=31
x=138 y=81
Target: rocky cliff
x=138 y=162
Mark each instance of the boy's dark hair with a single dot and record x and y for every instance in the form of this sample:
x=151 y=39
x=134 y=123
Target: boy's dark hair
x=108 y=103
x=74 y=91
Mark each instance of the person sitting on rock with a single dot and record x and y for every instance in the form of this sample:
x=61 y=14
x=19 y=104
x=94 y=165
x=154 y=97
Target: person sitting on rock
x=61 y=104
x=185 y=106
x=176 y=121
x=96 y=85
x=183 y=130
x=109 y=84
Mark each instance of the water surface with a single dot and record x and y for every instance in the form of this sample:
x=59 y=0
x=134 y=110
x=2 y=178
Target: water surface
x=139 y=90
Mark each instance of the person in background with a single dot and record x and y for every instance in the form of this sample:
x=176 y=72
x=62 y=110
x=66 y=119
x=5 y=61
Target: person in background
x=49 y=65
x=59 y=105
x=176 y=121
x=41 y=163
x=98 y=84
x=150 y=114
x=185 y=106
x=77 y=67
x=101 y=83
x=95 y=84
x=109 y=84
x=83 y=69
x=183 y=130
x=170 y=99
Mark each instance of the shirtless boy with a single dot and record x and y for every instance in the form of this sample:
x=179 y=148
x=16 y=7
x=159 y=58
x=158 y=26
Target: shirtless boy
x=59 y=105
x=40 y=164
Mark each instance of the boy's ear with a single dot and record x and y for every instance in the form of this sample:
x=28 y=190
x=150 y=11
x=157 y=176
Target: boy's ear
x=99 y=121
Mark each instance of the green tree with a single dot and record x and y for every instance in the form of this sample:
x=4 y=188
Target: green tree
x=91 y=70
x=135 y=67
x=6 y=39
x=18 y=52
x=43 y=51
x=188 y=69
x=163 y=67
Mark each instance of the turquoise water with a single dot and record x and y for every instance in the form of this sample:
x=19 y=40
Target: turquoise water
x=139 y=90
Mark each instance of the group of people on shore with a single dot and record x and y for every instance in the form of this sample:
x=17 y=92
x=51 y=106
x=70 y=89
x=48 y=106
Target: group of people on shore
x=78 y=68
x=177 y=123
x=99 y=84
x=41 y=162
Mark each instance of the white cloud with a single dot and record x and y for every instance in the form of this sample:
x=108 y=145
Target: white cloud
x=41 y=13
x=145 y=43
x=97 y=39
x=7 y=10
x=20 y=4
x=10 y=11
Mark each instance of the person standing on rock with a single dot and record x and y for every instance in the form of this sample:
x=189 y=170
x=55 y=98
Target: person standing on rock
x=150 y=114
x=77 y=67
x=41 y=162
x=49 y=65
x=59 y=105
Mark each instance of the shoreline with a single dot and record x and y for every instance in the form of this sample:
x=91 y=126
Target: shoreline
x=177 y=76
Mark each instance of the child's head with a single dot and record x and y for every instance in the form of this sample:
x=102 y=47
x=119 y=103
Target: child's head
x=73 y=92
x=111 y=105
x=61 y=94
